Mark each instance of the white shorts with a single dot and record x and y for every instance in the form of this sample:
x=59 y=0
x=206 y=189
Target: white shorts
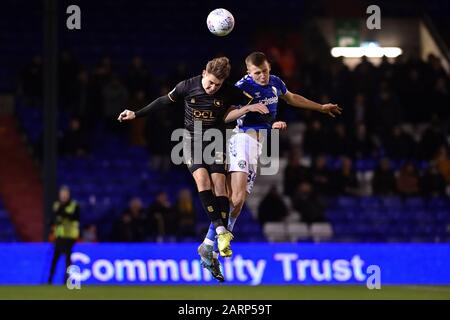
x=244 y=152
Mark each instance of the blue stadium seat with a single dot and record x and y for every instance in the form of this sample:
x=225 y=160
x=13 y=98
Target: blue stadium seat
x=347 y=202
x=414 y=203
x=369 y=202
x=391 y=202
x=436 y=203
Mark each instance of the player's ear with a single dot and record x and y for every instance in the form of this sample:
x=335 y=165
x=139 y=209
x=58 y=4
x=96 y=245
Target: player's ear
x=204 y=73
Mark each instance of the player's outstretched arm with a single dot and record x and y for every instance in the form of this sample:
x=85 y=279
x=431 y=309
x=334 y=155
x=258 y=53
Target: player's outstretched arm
x=233 y=114
x=154 y=105
x=299 y=101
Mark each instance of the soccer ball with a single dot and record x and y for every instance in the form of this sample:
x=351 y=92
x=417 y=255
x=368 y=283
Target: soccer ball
x=220 y=22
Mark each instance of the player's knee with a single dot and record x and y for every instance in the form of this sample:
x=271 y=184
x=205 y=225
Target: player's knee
x=220 y=191
x=203 y=184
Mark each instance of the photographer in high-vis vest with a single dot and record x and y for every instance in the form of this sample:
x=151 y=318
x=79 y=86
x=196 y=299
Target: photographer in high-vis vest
x=66 y=229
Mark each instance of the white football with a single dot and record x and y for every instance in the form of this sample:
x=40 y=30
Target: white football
x=220 y=22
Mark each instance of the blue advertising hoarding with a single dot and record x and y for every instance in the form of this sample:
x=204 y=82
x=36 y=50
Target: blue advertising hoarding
x=251 y=264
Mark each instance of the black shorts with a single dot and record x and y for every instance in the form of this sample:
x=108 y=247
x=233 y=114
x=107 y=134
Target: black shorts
x=214 y=161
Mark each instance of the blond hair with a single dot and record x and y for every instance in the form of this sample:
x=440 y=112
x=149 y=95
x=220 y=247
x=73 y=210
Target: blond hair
x=219 y=67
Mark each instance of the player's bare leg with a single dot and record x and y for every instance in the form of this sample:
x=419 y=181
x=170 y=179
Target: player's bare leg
x=237 y=191
x=238 y=184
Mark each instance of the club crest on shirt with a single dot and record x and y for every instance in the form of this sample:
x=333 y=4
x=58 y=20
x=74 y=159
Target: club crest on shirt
x=242 y=164
x=218 y=103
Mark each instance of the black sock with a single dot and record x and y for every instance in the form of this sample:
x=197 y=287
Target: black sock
x=210 y=206
x=223 y=205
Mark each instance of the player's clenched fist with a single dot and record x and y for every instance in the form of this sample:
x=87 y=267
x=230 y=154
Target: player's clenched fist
x=281 y=125
x=126 y=115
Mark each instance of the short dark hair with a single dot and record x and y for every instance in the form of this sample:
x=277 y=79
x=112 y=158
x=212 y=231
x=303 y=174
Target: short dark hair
x=219 y=67
x=256 y=59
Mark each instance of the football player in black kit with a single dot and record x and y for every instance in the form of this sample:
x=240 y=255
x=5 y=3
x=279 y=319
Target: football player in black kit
x=211 y=102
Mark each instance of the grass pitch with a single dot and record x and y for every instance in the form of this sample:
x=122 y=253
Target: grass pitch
x=225 y=292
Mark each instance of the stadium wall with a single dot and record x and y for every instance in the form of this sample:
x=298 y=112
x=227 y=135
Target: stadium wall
x=252 y=264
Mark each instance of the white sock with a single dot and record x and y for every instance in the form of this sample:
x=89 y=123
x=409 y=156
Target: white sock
x=231 y=222
x=220 y=230
x=208 y=242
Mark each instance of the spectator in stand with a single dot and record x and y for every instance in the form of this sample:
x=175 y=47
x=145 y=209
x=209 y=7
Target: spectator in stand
x=440 y=99
x=442 y=160
x=308 y=204
x=340 y=142
x=163 y=218
x=272 y=208
x=139 y=78
x=315 y=140
x=399 y=145
x=363 y=79
x=432 y=182
x=31 y=84
x=115 y=96
x=89 y=233
x=383 y=181
x=321 y=177
x=359 y=113
x=432 y=139
x=132 y=226
x=186 y=216
x=408 y=180
x=294 y=173
x=364 y=146
x=345 y=181
x=74 y=142
x=388 y=110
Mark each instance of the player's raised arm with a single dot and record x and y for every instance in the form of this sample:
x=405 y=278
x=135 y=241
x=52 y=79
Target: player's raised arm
x=233 y=113
x=177 y=94
x=299 y=101
x=154 y=105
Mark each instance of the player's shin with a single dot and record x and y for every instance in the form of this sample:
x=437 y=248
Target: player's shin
x=231 y=222
x=223 y=204
x=209 y=204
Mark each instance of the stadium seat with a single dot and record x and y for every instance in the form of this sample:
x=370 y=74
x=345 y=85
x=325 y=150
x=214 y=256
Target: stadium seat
x=435 y=204
x=297 y=231
x=414 y=203
x=369 y=202
x=391 y=202
x=321 y=231
x=275 y=231
x=346 y=202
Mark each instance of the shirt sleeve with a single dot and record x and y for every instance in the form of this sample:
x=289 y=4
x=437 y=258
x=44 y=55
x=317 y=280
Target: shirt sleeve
x=179 y=92
x=239 y=97
x=280 y=85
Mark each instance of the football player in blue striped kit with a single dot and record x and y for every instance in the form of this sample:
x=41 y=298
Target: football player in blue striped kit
x=245 y=146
